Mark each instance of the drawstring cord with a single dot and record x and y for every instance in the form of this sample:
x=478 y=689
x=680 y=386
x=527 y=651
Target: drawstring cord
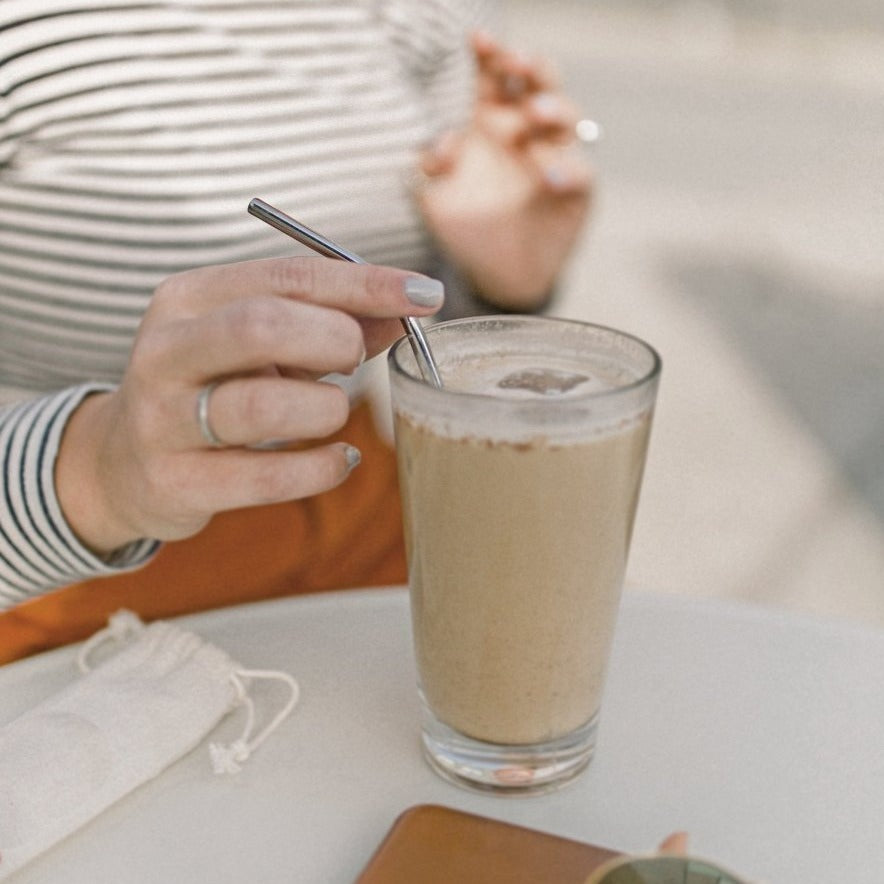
x=228 y=759
x=120 y=626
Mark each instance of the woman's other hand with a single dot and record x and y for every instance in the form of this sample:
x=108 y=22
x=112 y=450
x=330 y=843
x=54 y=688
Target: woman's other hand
x=507 y=197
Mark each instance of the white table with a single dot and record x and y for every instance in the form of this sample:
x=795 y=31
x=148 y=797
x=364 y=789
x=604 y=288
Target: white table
x=760 y=733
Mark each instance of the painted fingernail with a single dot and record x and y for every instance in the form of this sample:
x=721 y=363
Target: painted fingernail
x=547 y=106
x=556 y=178
x=353 y=456
x=424 y=291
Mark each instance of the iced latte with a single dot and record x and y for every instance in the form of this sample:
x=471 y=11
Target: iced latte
x=520 y=480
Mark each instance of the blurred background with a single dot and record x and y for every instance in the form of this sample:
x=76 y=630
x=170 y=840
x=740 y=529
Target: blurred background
x=739 y=228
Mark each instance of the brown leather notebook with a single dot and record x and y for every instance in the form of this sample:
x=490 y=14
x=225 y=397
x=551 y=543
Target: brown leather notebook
x=431 y=844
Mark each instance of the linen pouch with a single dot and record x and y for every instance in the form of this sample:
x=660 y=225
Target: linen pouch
x=122 y=723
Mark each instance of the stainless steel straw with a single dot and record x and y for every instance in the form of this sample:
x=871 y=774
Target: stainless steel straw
x=319 y=243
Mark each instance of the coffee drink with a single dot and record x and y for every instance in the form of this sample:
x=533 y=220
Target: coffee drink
x=519 y=481
x=517 y=554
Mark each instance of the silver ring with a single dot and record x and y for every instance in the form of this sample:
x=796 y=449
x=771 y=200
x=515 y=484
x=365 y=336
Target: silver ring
x=588 y=131
x=202 y=415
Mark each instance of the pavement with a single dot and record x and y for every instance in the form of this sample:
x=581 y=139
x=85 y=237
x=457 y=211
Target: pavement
x=739 y=228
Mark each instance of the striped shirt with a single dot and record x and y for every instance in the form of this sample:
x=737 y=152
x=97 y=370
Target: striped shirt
x=132 y=135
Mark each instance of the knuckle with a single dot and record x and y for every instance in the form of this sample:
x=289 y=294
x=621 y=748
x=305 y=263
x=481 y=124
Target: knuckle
x=150 y=352
x=342 y=340
x=171 y=292
x=350 y=339
x=326 y=468
x=377 y=283
x=297 y=276
x=268 y=485
x=255 y=408
x=269 y=478
x=257 y=322
x=165 y=292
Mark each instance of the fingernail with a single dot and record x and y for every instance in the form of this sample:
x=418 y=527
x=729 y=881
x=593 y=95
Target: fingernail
x=353 y=456
x=563 y=177
x=424 y=291
x=556 y=178
x=547 y=105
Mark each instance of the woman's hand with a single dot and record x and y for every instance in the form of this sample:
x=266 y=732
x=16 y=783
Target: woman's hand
x=134 y=463
x=507 y=197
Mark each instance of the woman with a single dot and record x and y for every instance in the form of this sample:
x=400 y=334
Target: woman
x=145 y=317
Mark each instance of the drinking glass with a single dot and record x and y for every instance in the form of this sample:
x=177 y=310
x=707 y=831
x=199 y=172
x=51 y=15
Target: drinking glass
x=519 y=479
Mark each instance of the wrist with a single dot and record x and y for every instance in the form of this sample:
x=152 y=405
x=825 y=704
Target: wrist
x=79 y=479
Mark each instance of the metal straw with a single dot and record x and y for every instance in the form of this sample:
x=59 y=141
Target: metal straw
x=319 y=243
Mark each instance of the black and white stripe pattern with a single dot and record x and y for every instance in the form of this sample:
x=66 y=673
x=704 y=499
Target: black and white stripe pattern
x=37 y=548
x=132 y=135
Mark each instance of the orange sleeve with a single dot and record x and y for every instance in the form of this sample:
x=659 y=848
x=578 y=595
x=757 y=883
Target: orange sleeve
x=348 y=537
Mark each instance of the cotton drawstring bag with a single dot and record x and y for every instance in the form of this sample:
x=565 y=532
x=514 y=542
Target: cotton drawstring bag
x=123 y=722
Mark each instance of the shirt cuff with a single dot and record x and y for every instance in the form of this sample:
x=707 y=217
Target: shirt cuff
x=38 y=549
